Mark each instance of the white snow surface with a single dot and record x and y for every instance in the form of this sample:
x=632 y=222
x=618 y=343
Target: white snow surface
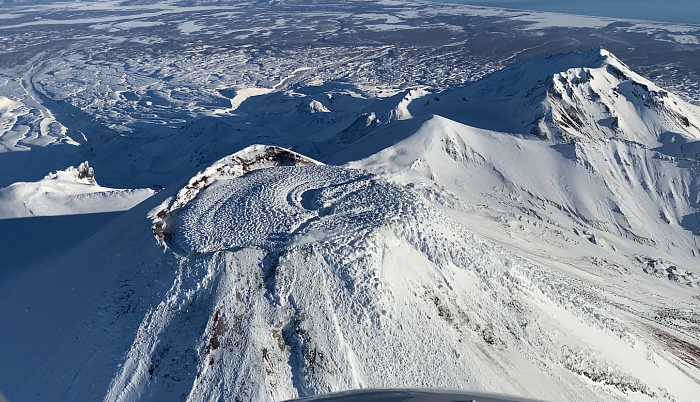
x=571 y=97
x=339 y=275
x=64 y=192
x=533 y=233
x=320 y=278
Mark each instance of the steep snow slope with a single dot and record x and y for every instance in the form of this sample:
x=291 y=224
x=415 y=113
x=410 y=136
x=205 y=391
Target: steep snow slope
x=441 y=255
x=610 y=213
x=570 y=97
x=66 y=192
x=68 y=320
x=608 y=186
x=321 y=278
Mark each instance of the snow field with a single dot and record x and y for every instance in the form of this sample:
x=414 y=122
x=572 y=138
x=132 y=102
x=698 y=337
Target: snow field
x=533 y=233
x=66 y=192
x=323 y=278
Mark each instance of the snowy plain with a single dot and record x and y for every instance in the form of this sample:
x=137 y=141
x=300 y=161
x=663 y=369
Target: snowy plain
x=331 y=196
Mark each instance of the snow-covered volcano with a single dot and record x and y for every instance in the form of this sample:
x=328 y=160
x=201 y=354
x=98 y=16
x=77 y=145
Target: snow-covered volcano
x=296 y=278
x=560 y=264
x=575 y=96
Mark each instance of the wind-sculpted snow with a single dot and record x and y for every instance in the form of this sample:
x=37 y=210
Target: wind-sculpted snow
x=530 y=231
x=264 y=208
x=300 y=280
x=299 y=265
x=250 y=159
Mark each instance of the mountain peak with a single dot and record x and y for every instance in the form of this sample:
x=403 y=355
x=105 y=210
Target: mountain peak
x=538 y=70
x=254 y=157
x=598 y=55
x=582 y=95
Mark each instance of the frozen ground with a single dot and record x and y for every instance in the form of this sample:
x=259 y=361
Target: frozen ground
x=452 y=207
x=77 y=73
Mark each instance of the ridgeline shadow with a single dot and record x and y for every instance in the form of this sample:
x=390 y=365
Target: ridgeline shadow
x=26 y=242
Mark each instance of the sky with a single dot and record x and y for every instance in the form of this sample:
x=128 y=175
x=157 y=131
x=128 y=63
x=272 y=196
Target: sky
x=679 y=11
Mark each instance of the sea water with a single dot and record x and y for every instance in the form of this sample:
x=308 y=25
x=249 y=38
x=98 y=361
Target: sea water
x=676 y=11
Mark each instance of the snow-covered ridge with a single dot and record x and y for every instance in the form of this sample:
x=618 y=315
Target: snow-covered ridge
x=578 y=96
x=503 y=263
x=561 y=98
x=401 y=111
x=19 y=133
x=547 y=246
x=296 y=278
x=252 y=158
x=66 y=192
